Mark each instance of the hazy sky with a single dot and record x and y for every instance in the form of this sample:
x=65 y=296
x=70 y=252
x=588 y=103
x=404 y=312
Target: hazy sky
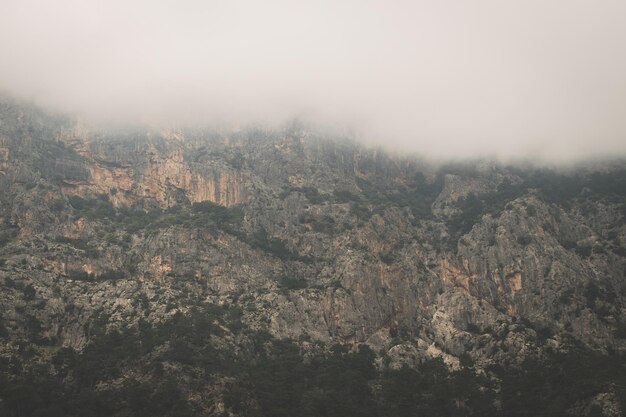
x=444 y=77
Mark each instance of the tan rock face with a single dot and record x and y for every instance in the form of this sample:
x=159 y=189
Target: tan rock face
x=451 y=274
x=4 y=159
x=225 y=189
x=159 y=267
x=165 y=177
x=296 y=180
x=73 y=230
x=515 y=282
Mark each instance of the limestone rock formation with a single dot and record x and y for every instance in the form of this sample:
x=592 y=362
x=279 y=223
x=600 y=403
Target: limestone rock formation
x=312 y=237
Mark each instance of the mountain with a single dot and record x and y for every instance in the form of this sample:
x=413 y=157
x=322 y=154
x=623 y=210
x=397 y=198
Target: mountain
x=291 y=271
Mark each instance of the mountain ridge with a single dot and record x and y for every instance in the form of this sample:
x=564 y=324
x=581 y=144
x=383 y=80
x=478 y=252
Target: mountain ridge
x=259 y=238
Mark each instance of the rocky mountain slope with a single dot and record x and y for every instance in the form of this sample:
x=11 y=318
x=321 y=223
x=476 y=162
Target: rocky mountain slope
x=272 y=271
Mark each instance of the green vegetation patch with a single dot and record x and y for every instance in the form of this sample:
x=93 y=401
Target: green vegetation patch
x=108 y=275
x=202 y=215
x=311 y=193
x=277 y=247
x=167 y=369
x=417 y=193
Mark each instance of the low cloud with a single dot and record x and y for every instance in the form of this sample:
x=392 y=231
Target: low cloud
x=444 y=78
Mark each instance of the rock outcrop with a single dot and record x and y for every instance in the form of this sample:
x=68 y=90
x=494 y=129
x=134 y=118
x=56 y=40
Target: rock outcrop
x=313 y=238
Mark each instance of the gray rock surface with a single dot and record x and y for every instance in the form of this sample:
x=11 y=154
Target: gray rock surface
x=358 y=246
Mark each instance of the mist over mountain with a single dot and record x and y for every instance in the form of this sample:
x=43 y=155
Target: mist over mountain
x=522 y=79
x=334 y=209
x=295 y=271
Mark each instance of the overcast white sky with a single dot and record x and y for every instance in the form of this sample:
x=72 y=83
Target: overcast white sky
x=444 y=77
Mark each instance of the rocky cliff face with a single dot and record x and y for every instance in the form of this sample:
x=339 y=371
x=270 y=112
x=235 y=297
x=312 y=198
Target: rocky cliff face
x=312 y=238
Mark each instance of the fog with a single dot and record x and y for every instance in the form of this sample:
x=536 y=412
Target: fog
x=534 y=79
